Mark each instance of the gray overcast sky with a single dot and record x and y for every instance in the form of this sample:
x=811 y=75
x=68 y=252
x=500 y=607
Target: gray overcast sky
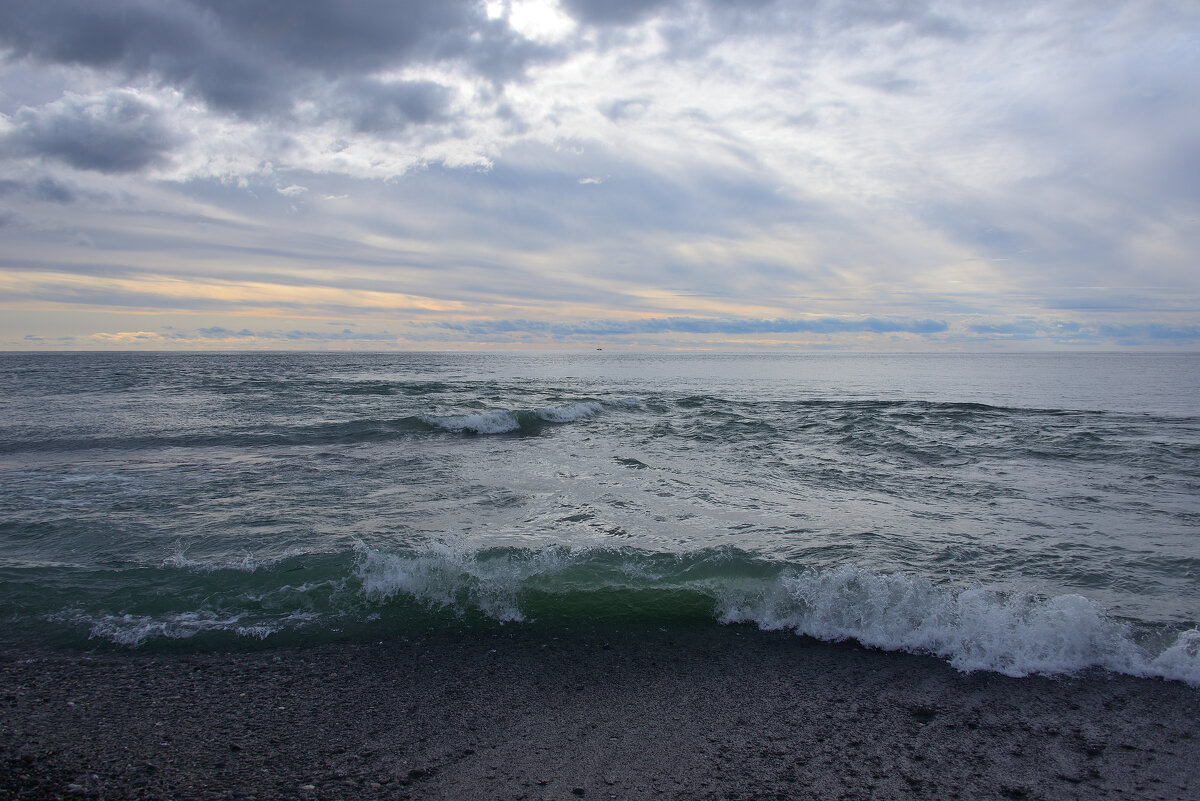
x=627 y=173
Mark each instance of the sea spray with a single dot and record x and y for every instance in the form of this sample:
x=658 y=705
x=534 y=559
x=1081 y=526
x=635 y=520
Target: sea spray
x=450 y=575
x=1014 y=632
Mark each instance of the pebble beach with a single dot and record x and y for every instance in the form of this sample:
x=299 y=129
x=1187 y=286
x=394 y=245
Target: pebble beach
x=510 y=712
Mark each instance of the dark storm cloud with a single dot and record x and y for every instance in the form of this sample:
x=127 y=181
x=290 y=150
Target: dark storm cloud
x=173 y=41
x=498 y=53
x=347 y=35
x=117 y=133
x=255 y=57
x=97 y=34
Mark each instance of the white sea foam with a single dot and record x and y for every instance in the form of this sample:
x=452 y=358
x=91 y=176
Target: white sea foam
x=570 y=412
x=133 y=630
x=1017 y=633
x=498 y=422
x=448 y=575
x=1009 y=632
x=1180 y=661
x=246 y=563
x=1014 y=632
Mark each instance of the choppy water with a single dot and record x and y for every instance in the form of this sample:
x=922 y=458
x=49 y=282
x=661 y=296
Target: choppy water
x=1030 y=513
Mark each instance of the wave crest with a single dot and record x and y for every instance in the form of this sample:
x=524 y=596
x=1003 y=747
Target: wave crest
x=1013 y=632
x=1010 y=632
x=503 y=421
x=1017 y=633
x=451 y=577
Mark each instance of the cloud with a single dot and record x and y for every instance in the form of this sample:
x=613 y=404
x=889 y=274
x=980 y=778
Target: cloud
x=887 y=81
x=942 y=172
x=614 y=12
x=115 y=132
x=694 y=325
x=1014 y=328
x=260 y=57
x=45 y=189
x=286 y=335
x=1027 y=329
x=375 y=106
x=1076 y=332
x=172 y=40
x=34 y=339
x=1156 y=332
x=627 y=109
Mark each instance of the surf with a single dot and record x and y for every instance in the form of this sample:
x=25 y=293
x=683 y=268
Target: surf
x=371 y=591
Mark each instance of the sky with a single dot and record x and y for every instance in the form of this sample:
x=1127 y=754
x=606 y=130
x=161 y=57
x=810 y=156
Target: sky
x=644 y=174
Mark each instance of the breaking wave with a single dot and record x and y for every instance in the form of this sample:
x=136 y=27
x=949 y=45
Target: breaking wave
x=974 y=628
x=1014 y=632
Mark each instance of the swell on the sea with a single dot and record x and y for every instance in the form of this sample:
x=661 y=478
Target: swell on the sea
x=371 y=591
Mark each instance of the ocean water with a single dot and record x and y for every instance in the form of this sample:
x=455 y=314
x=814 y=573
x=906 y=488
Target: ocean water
x=1014 y=513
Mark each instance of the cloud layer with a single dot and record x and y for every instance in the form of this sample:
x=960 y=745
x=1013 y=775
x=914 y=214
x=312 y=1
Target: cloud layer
x=678 y=173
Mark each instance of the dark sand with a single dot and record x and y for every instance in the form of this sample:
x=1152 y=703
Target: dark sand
x=723 y=712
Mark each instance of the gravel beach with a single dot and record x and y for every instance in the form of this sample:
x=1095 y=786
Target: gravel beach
x=524 y=713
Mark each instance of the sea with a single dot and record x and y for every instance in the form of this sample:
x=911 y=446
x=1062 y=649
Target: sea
x=1017 y=513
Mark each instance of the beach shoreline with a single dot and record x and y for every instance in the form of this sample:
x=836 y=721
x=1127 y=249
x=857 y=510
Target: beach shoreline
x=527 y=713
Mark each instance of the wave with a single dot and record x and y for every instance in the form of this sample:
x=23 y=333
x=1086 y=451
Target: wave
x=1013 y=632
x=975 y=628
x=526 y=420
x=348 y=432
x=1017 y=633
